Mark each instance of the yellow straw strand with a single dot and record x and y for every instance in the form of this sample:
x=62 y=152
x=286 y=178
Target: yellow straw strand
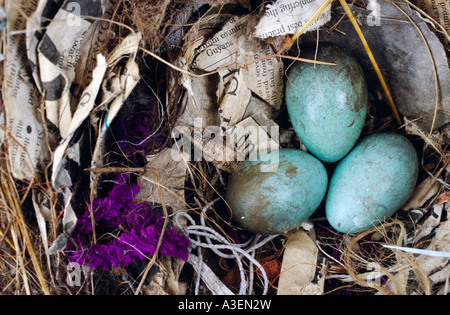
x=6 y=239
x=15 y=205
x=311 y=20
x=372 y=59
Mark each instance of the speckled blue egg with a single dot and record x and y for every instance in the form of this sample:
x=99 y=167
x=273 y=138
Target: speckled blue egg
x=269 y=197
x=372 y=182
x=327 y=105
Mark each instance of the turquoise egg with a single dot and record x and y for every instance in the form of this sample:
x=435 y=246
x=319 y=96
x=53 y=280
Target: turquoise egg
x=276 y=195
x=327 y=105
x=372 y=182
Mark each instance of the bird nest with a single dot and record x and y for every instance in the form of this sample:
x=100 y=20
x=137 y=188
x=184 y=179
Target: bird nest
x=95 y=200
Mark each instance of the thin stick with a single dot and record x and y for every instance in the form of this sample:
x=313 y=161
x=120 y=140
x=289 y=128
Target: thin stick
x=443 y=31
x=20 y=262
x=315 y=62
x=91 y=210
x=107 y=170
x=232 y=67
x=166 y=221
x=15 y=205
x=4 y=237
x=311 y=20
x=372 y=59
x=436 y=79
x=355 y=276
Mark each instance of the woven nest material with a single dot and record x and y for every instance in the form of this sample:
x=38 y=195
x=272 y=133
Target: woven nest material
x=169 y=29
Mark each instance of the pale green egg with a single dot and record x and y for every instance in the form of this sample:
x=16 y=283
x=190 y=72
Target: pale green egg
x=327 y=105
x=372 y=182
x=277 y=196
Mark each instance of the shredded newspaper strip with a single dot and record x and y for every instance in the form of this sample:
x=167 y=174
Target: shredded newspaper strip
x=249 y=85
x=55 y=75
x=26 y=138
x=288 y=16
x=60 y=56
x=440 y=11
x=243 y=64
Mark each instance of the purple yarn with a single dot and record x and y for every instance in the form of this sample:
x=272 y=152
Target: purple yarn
x=135 y=227
x=128 y=231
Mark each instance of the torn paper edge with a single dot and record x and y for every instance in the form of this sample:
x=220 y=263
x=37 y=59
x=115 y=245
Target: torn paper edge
x=288 y=16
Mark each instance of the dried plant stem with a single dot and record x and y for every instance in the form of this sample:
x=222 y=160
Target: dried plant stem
x=421 y=274
x=401 y=257
x=166 y=221
x=4 y=237
x=436 y=79
x=91 y=211
x=20 y=265
x=398 y=274
x=108 y=170
x=311 y=20
x=231 y=67
x=355 y=276
x=443 y=31
x=372 y=59
x=17 y=210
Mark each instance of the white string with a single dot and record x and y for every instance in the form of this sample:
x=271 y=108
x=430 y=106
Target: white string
x=239 y=251
x=420 y=251
x=160 y=124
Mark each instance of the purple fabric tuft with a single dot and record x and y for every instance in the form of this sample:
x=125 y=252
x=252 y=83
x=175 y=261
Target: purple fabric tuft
x=131 y=232
x=126 y=231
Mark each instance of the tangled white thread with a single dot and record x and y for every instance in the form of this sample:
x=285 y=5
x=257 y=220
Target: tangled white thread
x=239 y=251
